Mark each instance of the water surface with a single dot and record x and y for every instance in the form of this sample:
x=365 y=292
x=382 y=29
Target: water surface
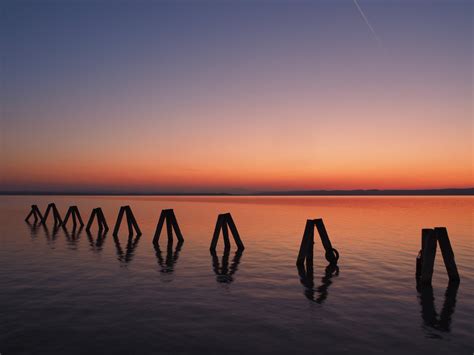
x=64 y=292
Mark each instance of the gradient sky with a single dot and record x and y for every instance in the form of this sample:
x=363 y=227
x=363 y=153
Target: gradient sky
x=235 y=95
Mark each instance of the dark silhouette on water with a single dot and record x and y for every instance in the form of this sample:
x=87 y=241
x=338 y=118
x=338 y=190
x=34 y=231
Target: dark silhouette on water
x=73 y=212
x=224 y=223
x=97 y=212
x=35 y=212
x=131 y=221
x=132 y=243
x=34 y=228
x=167 y=266
x=51 y=236
x=224 y=272
x=306 y=274
x=99 y=240
x=431 y=319
x=426 y=256
x=307 y=243
x=73 y=235
x=171 y=224
x=57 y=217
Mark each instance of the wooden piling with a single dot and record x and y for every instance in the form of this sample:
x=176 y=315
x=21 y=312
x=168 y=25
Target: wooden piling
x=331 y=255
x=225 y=223
x=305 y=253
x=75 y=215
x=306 y=246
x=57 y=217
x=131 y=221
x=447 y=252
x=169 y=217
x=35 y=212
x=428 y=255
x=102 y=223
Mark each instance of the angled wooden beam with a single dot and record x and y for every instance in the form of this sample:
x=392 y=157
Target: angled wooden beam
x=35 y=212
x=447 y=252
x=306 y=243
x=131 y=222
x=224 y=223
x=168 y=216
x=97 y=213
x=74 y=213
x=332 y=255
x=428 y=255
x=57 y=217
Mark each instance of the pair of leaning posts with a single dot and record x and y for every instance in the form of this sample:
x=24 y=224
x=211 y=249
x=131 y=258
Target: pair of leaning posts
x=430 y=237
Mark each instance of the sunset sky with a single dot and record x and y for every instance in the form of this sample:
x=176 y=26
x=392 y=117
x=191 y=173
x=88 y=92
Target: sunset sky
x=235 y=96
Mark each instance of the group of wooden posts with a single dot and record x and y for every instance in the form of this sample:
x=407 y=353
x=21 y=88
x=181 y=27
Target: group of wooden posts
x=424 y=260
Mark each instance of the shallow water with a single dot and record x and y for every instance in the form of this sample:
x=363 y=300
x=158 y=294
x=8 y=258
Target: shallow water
x=73 y=293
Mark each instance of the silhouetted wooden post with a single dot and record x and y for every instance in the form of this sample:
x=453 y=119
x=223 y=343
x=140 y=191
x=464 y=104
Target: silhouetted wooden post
x=171 y=224
x=428 y=255
x=224 y=223
x=131 y=221
x=97 y=212
x=73 y=212
x=447 y=252
x=57 y=217
x=35 y=212
x=307 y=243
x=306 y=246
x=331 y=254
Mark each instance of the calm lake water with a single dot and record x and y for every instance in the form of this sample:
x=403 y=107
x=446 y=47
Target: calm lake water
x=71 y=293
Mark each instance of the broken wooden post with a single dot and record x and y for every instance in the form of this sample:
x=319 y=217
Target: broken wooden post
x=131 y=221
x=428 y=255
x=73 y=212
x=224 y=223
x=35 y=212
x=332 y=255
x=171 y=224
x=447 y=252
x=97 y=212
x=307 y=243
x=57 y=217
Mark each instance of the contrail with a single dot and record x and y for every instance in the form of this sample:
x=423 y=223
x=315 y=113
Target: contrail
x=367 y=22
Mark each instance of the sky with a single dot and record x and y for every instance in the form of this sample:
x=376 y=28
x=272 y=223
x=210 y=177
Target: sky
x=235 y=96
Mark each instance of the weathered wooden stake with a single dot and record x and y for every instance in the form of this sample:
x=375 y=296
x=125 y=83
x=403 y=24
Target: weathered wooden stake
x=171 y=224
x=224 y=223
x=131 y=221
x=57 y=217
x=73 y=212
x=307 y=243
x=35 y=212
x=97 y=212
x=428 y=255
x=447 y=252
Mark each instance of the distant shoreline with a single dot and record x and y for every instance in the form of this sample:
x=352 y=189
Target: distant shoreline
x=372 y=192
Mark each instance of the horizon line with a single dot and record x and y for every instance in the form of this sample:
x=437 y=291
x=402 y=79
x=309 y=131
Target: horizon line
x=353 y=192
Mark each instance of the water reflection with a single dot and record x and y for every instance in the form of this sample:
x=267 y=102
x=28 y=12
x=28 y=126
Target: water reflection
x=127 y=255
x=96 y=245
x=306 y=274
x=73 y=235
x=34 y=228
x=167 y=266
x=224 y=272
x=51 y=235
x=431 y=319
